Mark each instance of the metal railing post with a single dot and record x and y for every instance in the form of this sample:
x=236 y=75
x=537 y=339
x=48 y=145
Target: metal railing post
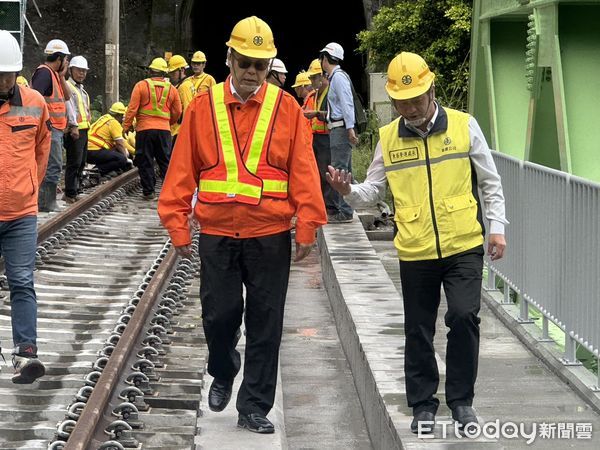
x=570 y=355
x=523 y=309
x=506 y=300
x=545 y=331
x=491 y=280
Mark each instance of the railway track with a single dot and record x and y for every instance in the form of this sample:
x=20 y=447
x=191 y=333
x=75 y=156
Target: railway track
x=119 y=335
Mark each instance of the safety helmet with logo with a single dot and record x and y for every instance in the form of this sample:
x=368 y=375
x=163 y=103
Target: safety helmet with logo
x=11 y=59
x=334 y=50
x=408 y=76
x=177 y=62
x=302 y=80
x=159 y=64
x=56 y=46
x=198 y=57
x=252 y=37
x=80 y=62
x=278 y=66
x=118 y=108
x=315 y=68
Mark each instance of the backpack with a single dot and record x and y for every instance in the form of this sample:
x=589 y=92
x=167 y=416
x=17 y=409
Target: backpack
x=360 y=115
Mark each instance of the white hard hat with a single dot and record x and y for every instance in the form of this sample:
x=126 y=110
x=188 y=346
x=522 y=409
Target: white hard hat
x=278 y=66
x=56 y=46
x=80 y=62
x=334 y=49
x=11 y=59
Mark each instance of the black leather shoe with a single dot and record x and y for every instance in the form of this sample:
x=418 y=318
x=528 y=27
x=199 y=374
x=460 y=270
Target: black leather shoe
x=429 y=422
x=256 y=423
x=465 y=416
x=219 y=394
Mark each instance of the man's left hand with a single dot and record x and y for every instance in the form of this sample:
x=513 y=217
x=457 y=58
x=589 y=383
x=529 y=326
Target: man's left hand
x=496 y=246
x=302 y=251
x=352 y=136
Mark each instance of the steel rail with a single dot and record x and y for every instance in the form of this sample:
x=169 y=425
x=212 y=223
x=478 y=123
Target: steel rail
x=86 y=427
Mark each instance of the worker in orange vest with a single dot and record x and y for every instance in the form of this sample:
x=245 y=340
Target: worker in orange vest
x=156 y=106
x=49 y=80
x=25 y=146
x=316 y=112
x=254 y=170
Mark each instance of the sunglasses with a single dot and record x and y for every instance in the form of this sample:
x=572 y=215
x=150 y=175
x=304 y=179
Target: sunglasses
x=260 y=64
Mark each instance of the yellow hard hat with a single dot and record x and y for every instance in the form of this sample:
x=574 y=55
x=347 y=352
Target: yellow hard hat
x=159 y=64
x=118 y=108
x=315 y=68
x=252 y=37
x=408 y=76
x=22 y=81
x=177 y=62
x=302 y=80
x=199 y=57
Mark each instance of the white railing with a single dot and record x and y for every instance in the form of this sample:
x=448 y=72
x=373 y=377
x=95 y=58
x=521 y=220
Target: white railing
x=553 y=255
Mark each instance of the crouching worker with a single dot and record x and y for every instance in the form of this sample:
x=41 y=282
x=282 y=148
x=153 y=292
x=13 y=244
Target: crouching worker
x=107 y=148
x=25 y=146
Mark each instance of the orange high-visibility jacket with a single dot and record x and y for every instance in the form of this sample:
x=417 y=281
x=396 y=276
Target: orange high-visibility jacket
x=25 y=146
x=56 y=102
x=287 y=150
x=155 y=104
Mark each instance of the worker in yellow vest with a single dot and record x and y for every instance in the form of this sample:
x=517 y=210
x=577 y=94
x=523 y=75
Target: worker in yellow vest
x=79 y=120
x=156 y=106
x=107 y=148
x=435 y=159
x=254 y=170
x=185 y=88
x=201 y=80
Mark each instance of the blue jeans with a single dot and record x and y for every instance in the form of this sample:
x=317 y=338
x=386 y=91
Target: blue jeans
x=55 y=159
x=18 y=243
x=341 y=158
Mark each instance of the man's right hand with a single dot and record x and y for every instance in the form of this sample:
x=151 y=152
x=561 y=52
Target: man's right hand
x=184 y=251
x=340 y=180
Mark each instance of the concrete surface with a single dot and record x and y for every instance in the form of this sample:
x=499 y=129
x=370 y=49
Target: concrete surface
x=322 y=410
x=513 y=385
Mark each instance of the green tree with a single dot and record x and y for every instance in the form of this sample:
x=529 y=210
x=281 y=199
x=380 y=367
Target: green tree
x=438 y=30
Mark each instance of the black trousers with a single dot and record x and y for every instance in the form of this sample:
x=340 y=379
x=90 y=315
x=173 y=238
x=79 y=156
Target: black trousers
x=76 y=158
x=151 y=145
x=460 y=275
x=323 y=157
x=107 y=160
x=262 y=265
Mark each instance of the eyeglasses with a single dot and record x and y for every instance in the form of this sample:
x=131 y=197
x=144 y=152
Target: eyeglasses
x=259 y=64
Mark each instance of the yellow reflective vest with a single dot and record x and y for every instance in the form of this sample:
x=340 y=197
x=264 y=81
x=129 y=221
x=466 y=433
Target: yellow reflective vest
x=434 y=189
x=83 y=105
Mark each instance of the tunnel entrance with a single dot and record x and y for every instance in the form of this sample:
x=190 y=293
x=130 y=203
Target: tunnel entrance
x=298 y=35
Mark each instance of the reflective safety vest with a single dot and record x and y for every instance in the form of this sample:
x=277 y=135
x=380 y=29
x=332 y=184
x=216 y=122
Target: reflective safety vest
x=435 y=192
x=197 y=81
x=243 y=175
x=93 y=136
x=319 y=126
x=56 y=102
x=83 y=105
x=157 y=107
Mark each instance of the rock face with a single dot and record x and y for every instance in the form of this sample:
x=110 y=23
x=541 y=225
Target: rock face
x=81 y=26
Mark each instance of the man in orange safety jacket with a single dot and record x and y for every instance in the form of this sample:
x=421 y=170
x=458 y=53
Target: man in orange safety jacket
x=254 y=170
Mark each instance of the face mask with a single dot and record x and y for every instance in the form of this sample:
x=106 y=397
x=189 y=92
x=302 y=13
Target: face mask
x=416 y=122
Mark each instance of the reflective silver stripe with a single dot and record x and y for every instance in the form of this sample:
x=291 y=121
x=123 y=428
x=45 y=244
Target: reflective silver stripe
x=408 y=165
x=24 y=111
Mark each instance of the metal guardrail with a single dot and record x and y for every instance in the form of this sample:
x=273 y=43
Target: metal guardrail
x=553 y=255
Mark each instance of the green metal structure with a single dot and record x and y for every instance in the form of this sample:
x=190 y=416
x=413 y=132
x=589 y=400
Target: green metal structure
x=535 y=80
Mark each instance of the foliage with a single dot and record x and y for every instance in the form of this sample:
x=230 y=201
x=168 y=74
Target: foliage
x=97 y=108
x=438 y=30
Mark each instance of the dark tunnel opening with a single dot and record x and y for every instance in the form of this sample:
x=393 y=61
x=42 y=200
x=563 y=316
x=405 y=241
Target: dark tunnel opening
x=298 y=35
